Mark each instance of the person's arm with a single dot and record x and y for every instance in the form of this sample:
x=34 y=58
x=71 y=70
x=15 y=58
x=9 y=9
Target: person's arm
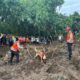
x=19 y=46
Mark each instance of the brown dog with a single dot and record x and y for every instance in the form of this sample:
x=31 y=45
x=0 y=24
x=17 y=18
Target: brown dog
x=40 y=54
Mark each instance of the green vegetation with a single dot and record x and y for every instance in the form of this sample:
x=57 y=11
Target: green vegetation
x=34 y=17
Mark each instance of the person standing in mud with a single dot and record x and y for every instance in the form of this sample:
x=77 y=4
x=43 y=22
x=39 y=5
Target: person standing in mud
x=3 y=39
x=15 y=49
x=70 y=41
x=10 y=41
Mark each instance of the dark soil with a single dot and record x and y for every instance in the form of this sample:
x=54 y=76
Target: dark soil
x=57 y=66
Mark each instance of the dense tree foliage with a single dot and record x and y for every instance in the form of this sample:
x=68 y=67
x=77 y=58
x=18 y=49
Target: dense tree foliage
x=34 y=17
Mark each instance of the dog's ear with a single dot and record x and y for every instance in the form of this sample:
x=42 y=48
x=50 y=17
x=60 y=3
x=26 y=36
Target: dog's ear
x=43 y=49
x=35 y=49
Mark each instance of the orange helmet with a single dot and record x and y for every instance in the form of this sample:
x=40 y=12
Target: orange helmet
x=68 y=28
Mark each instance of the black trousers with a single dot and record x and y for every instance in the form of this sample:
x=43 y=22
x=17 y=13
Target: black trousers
x=13 y=53
x=70 y=50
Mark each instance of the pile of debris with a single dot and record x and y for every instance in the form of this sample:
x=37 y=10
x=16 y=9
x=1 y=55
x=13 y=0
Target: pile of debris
x=57 y=67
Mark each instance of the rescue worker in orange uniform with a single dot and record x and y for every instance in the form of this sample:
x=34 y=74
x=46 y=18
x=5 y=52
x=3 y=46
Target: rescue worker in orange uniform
x=70 y=41
x=15 y=48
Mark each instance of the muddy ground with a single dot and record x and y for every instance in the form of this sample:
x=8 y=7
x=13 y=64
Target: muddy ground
x=57 y=66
